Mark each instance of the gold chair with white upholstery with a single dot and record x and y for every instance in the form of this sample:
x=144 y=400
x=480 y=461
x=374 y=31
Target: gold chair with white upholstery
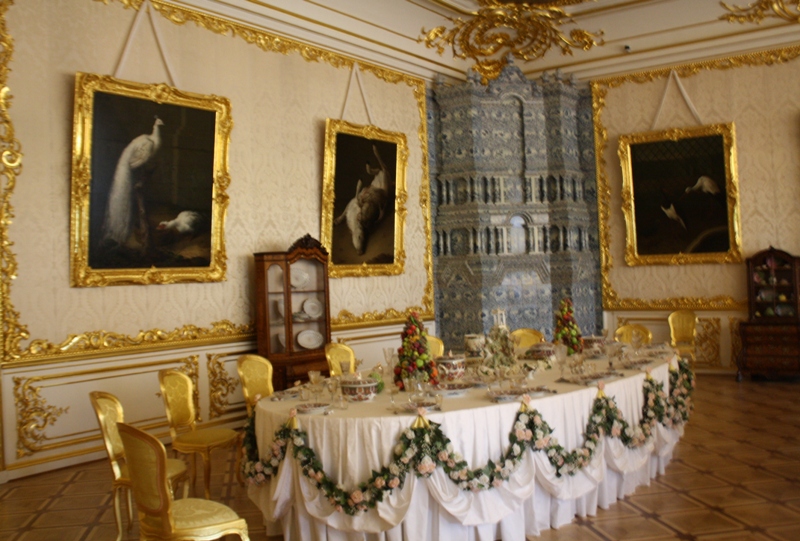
x=336 y=354
x=524 y=338
x=177 y=391
x=683 y=332
x=109 y=412
x=161 y=518
x=435 y=346
x=256 y=374
x=624 y=333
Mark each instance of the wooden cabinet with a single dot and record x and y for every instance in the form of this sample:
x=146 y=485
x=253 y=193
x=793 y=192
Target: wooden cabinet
x=771 y=337
x=292 y=310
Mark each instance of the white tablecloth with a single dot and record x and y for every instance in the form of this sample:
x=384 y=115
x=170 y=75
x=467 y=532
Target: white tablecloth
x=353 y=442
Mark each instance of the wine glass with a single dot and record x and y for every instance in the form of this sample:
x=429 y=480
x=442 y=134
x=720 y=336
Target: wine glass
x=393 y=390
x=636 y=341
x=315 y=378
x=561 y=357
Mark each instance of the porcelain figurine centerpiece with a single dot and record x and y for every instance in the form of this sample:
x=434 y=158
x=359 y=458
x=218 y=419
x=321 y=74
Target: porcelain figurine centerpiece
x=474 y=345
x=451 y=367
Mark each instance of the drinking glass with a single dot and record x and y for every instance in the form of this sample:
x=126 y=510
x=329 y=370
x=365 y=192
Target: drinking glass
x=393 y=390
x=315 y=379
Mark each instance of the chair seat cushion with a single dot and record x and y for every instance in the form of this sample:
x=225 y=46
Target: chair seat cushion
x=205 y=438
x=194 y=513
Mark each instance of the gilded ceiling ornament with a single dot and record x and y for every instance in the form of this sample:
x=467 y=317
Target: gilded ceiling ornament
x=756 y=12
x=502 y=28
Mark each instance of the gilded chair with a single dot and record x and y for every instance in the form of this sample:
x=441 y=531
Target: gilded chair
x=161 y=518
x=624 y=333
x=435 y=346
x=256 y=374
x=336 y=354
x=682 y=332
x=109 y=412
x=525 y=338
x=177 y=391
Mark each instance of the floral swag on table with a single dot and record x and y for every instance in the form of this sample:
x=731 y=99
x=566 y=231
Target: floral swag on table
x=423 y=447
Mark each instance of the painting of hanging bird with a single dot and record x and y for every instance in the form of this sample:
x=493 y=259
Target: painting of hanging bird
x=139 y=153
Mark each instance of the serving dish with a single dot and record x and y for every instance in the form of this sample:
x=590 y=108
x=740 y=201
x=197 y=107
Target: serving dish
x=454 y=388
x=310 y=339
x=359 y=389
x=451 y=368
x=313 y=407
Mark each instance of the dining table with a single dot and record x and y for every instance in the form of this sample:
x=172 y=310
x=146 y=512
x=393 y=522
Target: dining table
x=353 y=442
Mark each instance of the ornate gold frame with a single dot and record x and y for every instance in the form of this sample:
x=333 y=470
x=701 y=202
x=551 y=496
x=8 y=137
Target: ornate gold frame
x=600 y=88
x=82 y=274
x=730 y=190
x=331 y=208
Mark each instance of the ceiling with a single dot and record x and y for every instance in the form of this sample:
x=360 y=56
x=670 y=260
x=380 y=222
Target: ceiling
x=637 y=34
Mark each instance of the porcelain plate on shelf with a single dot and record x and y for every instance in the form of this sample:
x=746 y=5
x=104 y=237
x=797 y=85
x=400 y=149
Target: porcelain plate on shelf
x=312 y=307
x=298 y=277
x=310 y=339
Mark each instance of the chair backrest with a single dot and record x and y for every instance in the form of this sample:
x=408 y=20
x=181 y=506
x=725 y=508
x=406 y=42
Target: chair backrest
x=336 y=354
x=524 y=338
x=109 y=412
x=147 y=463
x=435 y=346
x=256 y=374
x=177 y=392
x=624 y=333
x=682 y=327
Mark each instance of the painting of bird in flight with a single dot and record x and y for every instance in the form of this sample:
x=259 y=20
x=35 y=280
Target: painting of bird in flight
x=682 y=193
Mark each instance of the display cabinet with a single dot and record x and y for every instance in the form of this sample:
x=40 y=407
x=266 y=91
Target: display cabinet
x=292 y=310
x=771 y=337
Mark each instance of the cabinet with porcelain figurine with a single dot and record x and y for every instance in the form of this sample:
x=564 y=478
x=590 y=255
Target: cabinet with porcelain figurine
x=771 y=337
x=292 y=310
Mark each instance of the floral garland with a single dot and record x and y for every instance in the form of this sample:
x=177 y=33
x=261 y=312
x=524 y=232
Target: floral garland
x=423 y=447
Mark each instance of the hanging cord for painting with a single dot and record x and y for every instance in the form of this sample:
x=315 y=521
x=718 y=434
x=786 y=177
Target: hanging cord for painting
x=355 y=72
x=134 y=27
x=674 y=75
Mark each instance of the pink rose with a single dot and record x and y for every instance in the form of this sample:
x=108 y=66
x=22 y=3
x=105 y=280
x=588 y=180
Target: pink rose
x=421 y=411
x=394 y=482
x=443 y=455
x=537 y=420
x=601 y=385
x=293 y=412
x=526 y=399
x=357 y=496
x=379 y=482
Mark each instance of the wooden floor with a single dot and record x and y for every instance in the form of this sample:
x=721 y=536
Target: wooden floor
x=735 y=476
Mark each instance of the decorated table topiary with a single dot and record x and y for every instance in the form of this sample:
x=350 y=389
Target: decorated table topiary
x=414 y=354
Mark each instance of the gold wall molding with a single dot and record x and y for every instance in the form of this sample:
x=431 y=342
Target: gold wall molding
x=707 y=343
x=600 y=87
x=104 y=343
x=101 y=343
x=788 y=10
x=220 y=384
x=34 y=415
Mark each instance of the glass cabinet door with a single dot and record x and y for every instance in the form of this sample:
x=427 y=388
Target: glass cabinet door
x=277 y=308
x=309 y=313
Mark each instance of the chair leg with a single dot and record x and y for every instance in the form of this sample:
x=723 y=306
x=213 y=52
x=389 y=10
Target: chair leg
x=239 y=447
x=193 y=473
x=117 y=512
x=207 y=473
x=129 y=492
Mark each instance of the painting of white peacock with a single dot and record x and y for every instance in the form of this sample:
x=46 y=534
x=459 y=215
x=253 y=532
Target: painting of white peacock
x=156 y=156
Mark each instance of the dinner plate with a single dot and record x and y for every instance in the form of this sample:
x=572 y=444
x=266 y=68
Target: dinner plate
x=637 y=363
x=298 y=277
x=454 y=388
x=503 y=396
x=312 y=307
x=413 y=407
x=313 y=407
x=537 y=392
x=310 y=339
